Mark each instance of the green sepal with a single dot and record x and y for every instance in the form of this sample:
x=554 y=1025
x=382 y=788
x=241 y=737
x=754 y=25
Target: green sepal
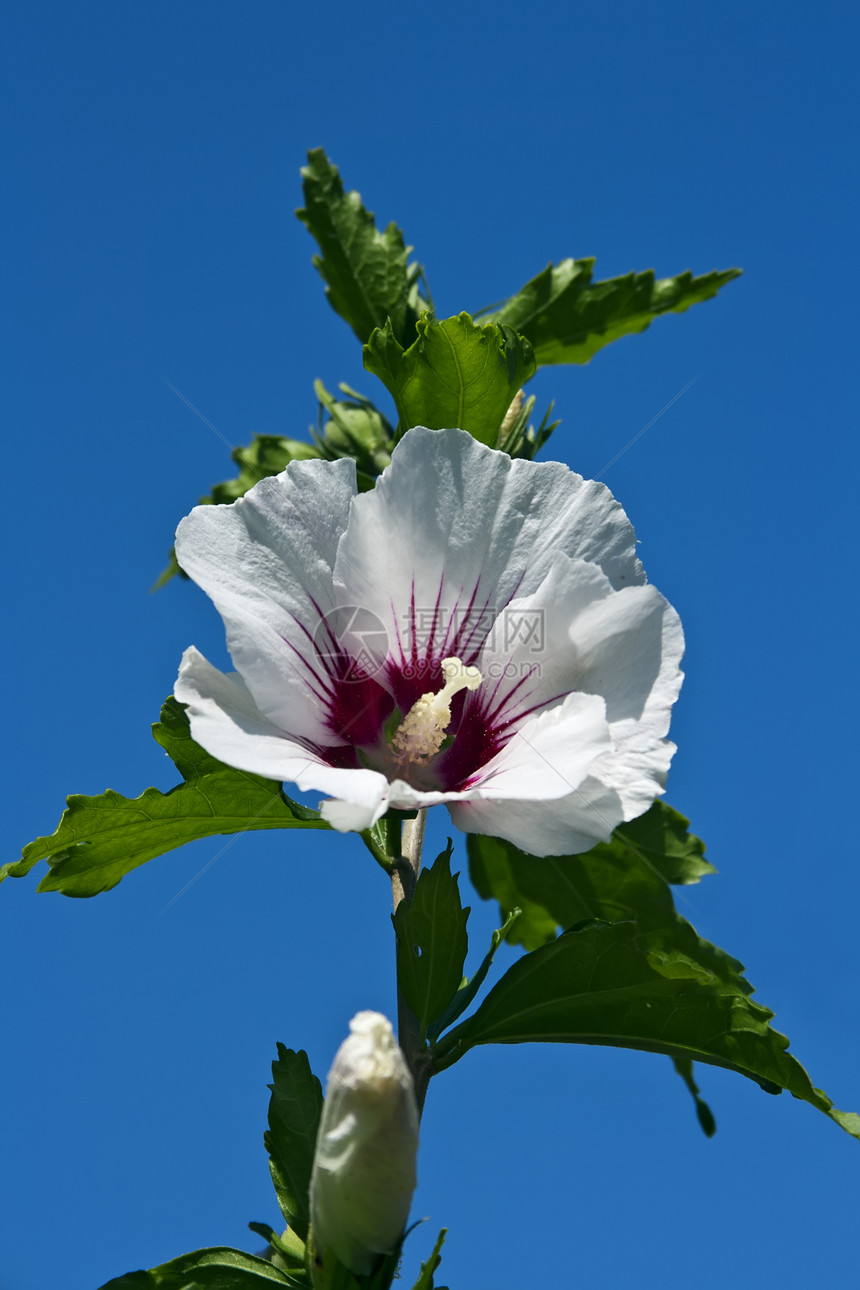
x=661 y=991
x=101 y=839
x=568 y=318
x=219 y=1268
x=355 y=429
x=431 y=941
x=425 y=1280
x=368 y=277
x=518 y=438
x=456 y=374
x=328 y=1273
x=287 y=1251
x=295 y=1108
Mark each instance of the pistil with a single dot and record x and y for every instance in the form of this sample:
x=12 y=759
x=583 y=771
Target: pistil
x=422 y=731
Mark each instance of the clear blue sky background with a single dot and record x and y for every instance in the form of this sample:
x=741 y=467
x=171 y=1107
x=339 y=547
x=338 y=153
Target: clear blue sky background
x=152 y=166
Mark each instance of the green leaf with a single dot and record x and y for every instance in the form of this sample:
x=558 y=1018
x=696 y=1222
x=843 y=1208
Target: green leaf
x=494 y=870
x=220 y=1268
x=456 y=374
x=568 y=318
x=101 y=839
x=265 y=455
x=367 y=274
x=286 y=1251
x=624 y=878
x=662 y=991
x=431 y=941
x=684 y=1068
x=661 y=840
x=295 y=1108
x=469 y=989
x=425 y=1280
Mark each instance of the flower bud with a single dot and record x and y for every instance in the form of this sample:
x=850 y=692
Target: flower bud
x=364 y=1166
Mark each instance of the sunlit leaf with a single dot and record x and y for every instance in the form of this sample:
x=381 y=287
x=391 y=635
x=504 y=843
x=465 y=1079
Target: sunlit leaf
x=367 y=275
x=101 y=839
x=568 y=318
x=216 y=1269
x=456 y=374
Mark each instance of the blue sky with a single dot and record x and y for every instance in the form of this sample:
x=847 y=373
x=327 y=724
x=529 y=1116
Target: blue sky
x=152 y=165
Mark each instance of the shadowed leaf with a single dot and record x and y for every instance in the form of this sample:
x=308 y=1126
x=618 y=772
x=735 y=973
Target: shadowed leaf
x=431 y=942
x=295 y=1108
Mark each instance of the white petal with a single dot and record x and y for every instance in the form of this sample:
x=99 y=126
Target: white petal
x=628 y=648
x=622 y=785
x=636 y=768
x=563 y=826
x=459 y=529
x=528 y=659
x=349 y=817
x=577 y=633
x=551 y=754
x=364 y=1162
x=266 y=561
x=226 y=721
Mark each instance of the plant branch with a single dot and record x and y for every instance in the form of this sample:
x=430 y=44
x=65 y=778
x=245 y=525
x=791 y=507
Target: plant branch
x=405 y=867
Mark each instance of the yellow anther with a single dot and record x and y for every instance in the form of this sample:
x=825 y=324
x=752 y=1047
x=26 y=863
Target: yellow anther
x=422 y=731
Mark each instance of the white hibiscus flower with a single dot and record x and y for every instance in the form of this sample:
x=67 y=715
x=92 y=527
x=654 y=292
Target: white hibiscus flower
x=475 y=631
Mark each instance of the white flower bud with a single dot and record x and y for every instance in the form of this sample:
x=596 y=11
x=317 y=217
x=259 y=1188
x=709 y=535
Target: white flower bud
x=512 y=414
x=364 y=1166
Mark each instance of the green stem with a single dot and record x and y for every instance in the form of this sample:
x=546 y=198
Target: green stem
x=405 y=866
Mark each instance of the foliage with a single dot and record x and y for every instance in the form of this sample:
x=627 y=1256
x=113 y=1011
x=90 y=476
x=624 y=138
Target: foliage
x=295 y=1109
x=367 y=275
x=607 y=959
x=101 y=839
x=455 y=374
x=628 y=970
x=627 y=877
x=568 y=318
x=219 y=1268
x=431 y=942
